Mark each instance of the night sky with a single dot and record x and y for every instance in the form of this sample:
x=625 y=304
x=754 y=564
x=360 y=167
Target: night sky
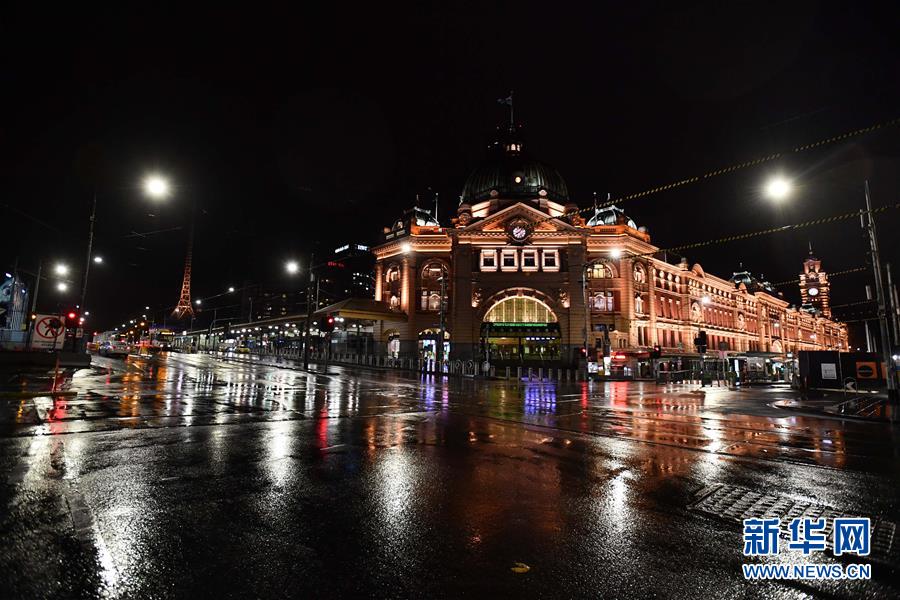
x=288 y=130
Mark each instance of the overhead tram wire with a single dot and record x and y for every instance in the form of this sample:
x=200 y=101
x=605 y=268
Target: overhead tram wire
x=735 y=167
x=830 y=276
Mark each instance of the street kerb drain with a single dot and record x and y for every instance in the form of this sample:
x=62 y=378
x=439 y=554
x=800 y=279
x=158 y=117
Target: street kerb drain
x=733 y=504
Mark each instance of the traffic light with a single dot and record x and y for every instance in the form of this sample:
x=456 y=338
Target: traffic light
x=701 y=342
x=329 y=323
x=72 y=318
x=656 y=352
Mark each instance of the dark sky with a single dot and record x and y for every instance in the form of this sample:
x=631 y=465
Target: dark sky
x=291 y=129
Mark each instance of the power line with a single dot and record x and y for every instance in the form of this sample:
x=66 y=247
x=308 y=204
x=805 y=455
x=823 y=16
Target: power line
x=830 y=275
x=736 y=167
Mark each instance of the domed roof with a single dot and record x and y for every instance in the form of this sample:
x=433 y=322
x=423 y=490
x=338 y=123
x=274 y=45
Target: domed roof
x=610 y=215
x=513 y=174
x=514 y=177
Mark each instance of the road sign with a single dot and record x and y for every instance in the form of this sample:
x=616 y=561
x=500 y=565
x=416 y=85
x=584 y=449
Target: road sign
x=79 y=332
x=49 y=332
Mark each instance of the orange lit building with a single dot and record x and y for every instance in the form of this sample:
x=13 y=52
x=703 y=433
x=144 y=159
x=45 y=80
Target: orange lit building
x=517 y=279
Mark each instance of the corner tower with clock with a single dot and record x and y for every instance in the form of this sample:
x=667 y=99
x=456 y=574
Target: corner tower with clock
x=814 y=286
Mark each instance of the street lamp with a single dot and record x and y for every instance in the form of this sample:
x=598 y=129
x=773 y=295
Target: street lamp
x=61 y=269
x=62 y=286
x=231 y=289
x=292 y=267
x=778 y=188
x=156 y=186
x=198 y=302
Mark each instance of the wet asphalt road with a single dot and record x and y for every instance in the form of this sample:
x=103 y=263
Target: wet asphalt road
x=189 y=476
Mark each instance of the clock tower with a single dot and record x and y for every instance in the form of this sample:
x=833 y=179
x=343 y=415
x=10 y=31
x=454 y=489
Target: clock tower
x=814 y=286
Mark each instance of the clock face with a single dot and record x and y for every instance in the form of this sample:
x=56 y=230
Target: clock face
x=813 y=291
x=519 y=231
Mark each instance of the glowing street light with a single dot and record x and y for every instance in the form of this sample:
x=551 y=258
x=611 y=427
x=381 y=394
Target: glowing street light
x=61 y=269
x=156 y=186
x=62 y=286
x=198 y=301
x=292 y=266
x=778 y=188
x=98 y=260
x=230 y=289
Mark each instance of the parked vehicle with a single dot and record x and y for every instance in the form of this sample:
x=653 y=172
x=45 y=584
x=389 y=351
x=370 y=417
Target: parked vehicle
x=114 y=348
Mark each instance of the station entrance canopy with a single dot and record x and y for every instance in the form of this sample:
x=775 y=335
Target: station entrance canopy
x=363 y=309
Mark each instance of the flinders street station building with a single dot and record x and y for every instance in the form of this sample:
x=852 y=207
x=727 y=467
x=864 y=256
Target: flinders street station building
x=519 y=277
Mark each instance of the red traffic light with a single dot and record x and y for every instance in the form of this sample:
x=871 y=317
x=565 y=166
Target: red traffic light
x=71 y=315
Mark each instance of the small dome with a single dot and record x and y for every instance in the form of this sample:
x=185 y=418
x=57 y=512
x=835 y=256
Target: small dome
x=611 y=215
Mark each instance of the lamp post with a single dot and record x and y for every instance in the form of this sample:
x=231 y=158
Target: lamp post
x=155 y=186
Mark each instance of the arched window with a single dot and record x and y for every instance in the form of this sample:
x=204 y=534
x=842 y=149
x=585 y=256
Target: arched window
x=600 y=271
x=392 y=274
x=435 y=276
x=395 y=302
x=433 y=270
x=434 y=301
x=520 y=309
x=640 y=275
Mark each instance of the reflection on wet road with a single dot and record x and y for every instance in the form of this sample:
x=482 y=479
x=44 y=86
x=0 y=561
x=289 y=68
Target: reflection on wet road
x=192 y=476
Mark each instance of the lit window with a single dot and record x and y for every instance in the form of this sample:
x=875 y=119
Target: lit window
x=434 y=301
x=488 y=260
x=529 y=260
x=509 y=260
x=602 y=302
x=550 y=260
x=598 y=271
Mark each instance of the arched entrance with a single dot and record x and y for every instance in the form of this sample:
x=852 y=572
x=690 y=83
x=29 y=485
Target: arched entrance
x=521 y=329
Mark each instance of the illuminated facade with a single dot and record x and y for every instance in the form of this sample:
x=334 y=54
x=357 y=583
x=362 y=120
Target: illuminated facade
x=517 y=279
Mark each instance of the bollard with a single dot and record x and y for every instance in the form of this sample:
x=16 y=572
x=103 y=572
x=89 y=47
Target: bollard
x=519 y=373
x=540 y=373
x=507 y=372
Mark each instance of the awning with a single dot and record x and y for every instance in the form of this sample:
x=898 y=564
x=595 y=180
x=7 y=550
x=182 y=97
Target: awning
x=362 y=308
